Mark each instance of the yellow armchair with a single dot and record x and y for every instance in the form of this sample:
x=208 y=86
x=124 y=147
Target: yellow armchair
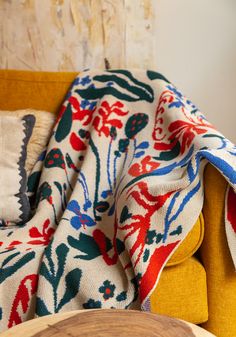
x=202 y=286
x=215 y=255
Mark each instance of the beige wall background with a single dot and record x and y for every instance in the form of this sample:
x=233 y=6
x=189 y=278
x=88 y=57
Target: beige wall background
x=196 y=43
x=192 y=42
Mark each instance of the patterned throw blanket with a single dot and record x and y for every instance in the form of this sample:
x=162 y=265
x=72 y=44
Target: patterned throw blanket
x=118 y=189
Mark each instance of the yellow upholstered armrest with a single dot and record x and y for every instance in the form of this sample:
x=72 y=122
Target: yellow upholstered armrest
x=221 y=276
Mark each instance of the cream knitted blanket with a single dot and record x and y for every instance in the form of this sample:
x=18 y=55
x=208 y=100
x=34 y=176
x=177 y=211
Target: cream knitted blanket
x=119 y=188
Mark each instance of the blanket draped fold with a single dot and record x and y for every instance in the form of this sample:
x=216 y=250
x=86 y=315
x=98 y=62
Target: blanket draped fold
x=118 y=189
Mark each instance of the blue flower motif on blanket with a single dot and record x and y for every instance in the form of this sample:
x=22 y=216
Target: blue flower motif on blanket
x=80 y=219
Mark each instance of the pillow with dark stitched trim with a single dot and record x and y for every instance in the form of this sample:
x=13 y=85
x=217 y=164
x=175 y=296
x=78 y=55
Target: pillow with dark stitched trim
x=15 y=133
x=41 y=134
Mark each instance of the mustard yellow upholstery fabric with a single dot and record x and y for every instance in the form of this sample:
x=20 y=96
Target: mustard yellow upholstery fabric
x=221 y=276
x=46 y=91
x=35 y=90
x=190 y=245
x=182 y=292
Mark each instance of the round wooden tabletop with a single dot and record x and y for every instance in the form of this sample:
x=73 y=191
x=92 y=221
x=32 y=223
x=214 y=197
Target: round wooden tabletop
x=106 y=323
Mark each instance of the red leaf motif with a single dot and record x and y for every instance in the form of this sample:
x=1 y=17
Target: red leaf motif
x=25 y=291
x=100 y=239
x=187 y=131
x=180 y=130
x=118 y=104
x=36 y=242
x=34 y=232
x=76 y=143
x=155 y=265
x=115 y=122
x=14 y=243
x=42 y=238
x=140 y=224
x=61 y=112
x=231 y=213
x=102 y=122
x=146 y=166
x=165 y=146
x=83 y=115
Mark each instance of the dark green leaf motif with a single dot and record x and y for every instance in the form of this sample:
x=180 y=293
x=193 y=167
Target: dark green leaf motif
x=55 y=158
x=9 y=258
x=54 y=271
x=125 y=215
x=146 y=255
x=113 y=132
x=44 y=192
x=102 y=206
x=59 y=187
x=153 y=75
x=72 y=282
x=122 y=296
x=33 y=181
x=135 y=124
x=8 y=270
x=169 y=155
x=41 y=309
x=126 y=87
x=159 y=237
x=92 y=304
x=177 y=231
x=150 y=236
x=87 y=245
x=123 y=144
x=64 y=125
x=120 y=246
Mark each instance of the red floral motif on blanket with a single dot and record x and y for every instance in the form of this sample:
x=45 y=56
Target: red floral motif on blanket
x=100 y=239
x=146 y=166
x=183 y=131
x=156 y=263
x=25 y=291
x=84 y=115
x=141 y=223
x=103 y=121
x=41 y=238
x=38 y=237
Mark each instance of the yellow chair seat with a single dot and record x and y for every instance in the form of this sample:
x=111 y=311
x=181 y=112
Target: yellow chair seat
x=182 y=292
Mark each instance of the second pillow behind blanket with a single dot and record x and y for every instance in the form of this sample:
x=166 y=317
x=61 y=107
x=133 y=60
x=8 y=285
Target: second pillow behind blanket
x=23 y=136
x=44 y=122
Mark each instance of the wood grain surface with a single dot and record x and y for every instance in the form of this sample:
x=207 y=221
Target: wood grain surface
x=71 y=35
x=106 y=323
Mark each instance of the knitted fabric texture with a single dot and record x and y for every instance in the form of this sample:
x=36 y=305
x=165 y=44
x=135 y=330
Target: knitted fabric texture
x=121 y=186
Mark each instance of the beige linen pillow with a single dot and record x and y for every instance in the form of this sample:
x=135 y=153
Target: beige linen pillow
x=44 y=122
x=15 y=133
